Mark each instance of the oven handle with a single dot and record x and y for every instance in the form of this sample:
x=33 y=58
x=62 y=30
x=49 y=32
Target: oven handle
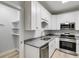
x=68 y=41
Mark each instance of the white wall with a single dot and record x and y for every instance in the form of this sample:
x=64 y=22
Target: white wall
x=7 y=15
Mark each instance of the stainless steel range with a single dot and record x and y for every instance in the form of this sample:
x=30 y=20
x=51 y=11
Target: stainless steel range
x=68 y=43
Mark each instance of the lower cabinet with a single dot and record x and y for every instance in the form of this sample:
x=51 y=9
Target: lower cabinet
x=51 y=47
x=54 y=44
x=77 y=46
x=31 y=52
x=34 y=52
x=57 y=43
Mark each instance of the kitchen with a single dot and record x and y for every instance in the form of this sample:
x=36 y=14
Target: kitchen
x=49 y=29
x=56 y=31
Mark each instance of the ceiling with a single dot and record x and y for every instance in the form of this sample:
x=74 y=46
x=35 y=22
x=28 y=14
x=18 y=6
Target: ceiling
x=15 y=4
x=56 y=7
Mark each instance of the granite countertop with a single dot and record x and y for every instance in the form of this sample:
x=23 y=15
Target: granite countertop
x=37 y=42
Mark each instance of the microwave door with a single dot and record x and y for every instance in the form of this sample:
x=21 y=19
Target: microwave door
x=64 y=26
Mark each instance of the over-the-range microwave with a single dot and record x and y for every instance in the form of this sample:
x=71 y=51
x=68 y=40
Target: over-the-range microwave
x=67 y=26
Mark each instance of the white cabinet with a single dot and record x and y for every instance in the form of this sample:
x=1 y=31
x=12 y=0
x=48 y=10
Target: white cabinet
x=57 y=43
x=32 y=15
x=49 y=20
x=46 y=15
x=38 y=19
x=58 y=22
x=77 y=20
x=31 y=52
x=77 y=46
x=53 y=22
x=54 y=44
x=66 y=17
x=52 y=47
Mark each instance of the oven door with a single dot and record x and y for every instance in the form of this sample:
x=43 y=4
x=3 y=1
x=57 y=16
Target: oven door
x=68 y=45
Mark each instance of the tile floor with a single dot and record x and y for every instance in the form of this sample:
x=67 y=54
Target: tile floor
x=57 y=54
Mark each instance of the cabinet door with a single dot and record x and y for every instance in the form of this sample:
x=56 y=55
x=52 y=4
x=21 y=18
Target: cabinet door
x=49 y=21
x=61 y=18
x=30 y=15
x=31 y=52
x=66 y=17
x=72 y=17
x=38 y=19
x=77 y=20
x=77 y=46
x=51 y=47
x=33 y=15
x=58 y=22
x=69 y=17
x=57 y=42
x=43 y=13
x=54 y=22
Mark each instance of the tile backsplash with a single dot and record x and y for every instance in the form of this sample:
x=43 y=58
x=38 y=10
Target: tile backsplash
x=58 y=32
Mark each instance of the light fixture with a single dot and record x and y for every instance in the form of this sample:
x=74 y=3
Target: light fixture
x=66 y=22
x=64 y=1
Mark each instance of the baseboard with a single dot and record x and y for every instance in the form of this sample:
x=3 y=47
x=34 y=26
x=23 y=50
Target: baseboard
x=7 y=52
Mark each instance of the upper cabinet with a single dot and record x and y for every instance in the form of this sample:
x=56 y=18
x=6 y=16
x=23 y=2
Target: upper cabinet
x=44 y=14
x=32 y=16
x=38 y=19
x=76 y=20
x=46 y=17
x=35 y=13
x=49 y=20
x=66 y=18
x=54 y=22
x=69 y=17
